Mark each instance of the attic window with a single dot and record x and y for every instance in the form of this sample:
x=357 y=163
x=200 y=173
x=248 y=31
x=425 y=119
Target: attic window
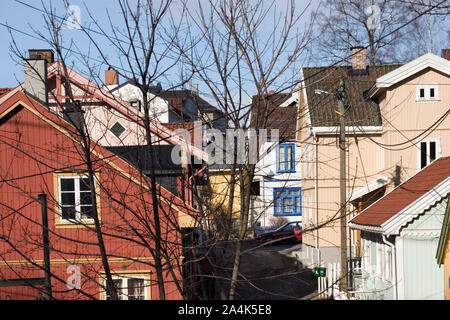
x=427 y=92
x=117 y=129
x=136 y=104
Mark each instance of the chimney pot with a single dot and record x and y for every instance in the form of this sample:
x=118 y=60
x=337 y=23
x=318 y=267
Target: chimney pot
x=359 y=58
x=111 y=77
x=446 y=54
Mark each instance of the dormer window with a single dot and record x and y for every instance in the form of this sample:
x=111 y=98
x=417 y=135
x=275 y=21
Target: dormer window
x=427 y=92
x=136 y=104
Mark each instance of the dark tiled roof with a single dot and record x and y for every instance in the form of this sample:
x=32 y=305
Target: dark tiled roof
x=282 y=118
x=138 y=156
x=5 y=91
x=361 y=112
x=178 y=96
x=188 y=126
x=405 y=194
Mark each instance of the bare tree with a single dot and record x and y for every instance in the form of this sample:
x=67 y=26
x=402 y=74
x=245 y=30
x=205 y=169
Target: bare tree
x=243 y=49
x=428 y=32
x=140 y=48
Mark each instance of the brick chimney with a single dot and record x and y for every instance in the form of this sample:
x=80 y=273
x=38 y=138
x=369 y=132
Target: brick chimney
x=45 y=54
x=359 y=58
x=111 y=77
x=446 y=54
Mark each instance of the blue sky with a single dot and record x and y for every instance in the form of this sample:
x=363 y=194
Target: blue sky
x=26 y=19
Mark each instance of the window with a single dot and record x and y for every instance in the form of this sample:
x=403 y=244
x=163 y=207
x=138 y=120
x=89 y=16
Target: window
x=388 y=265
x=427 y=92
x=286 y=157
x=75 y=201
x=129 y=288
x=287 y=202
x=117 y=129
x=380 y=260
x=136 y=104
x=429 y=150
x=255 y=188
x=366 y=263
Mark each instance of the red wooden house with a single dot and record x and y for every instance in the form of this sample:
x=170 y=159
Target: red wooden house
x=41 y=153
x=116 y=124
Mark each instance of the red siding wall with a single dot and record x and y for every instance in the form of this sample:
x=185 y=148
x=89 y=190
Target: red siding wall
x=31 y=153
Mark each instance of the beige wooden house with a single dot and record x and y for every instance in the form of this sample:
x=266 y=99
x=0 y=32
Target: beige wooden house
x=396 y=123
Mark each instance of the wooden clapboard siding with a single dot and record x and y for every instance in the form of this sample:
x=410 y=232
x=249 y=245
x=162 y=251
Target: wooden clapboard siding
x=35 y=147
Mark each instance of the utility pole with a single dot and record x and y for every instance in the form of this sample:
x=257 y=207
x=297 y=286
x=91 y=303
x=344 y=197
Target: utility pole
x=340 y=96
x=343 y=188
x=48 y=286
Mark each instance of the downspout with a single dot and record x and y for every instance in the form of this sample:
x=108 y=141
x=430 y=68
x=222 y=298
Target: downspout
x=316 y=191
x=394 y=260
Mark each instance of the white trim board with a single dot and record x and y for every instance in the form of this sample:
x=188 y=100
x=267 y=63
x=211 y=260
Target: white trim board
x=428 y=60
x=348 y=130
x=393 y=225
x=303 y=85
x=369 y=187
x=414 y=209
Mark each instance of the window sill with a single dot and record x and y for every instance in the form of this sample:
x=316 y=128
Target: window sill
x=287 y=214
x=74 y=224
x=427 y=100
x=291 y=171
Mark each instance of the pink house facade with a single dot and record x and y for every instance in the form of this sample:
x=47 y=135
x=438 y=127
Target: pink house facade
x=397 y=123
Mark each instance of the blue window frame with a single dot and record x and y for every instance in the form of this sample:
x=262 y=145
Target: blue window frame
x=287 y=202
x=286 y=157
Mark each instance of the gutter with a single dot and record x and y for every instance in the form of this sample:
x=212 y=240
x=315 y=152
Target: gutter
x=363 y=227
x=351 y=130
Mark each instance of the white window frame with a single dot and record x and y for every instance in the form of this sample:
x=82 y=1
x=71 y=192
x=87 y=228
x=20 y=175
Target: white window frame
x=380 y=259
x=77 y=179
x=139 y=104
x=125 y=295
x=427 y=88
x=388 y=264
x=427 y=141
x=118 y=122
x=366 y=261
